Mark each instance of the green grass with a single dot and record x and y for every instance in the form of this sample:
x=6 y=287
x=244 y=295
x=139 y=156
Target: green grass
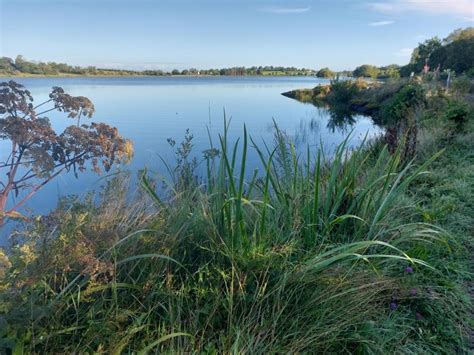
x=308 y=255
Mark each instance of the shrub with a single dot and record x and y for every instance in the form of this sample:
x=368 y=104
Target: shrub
x=325 y=73
x=321 y=91
x=457 y=112
x=396 y=109
x=4 y=264
x=343 y=91
x=462 y=85
x=366 y=71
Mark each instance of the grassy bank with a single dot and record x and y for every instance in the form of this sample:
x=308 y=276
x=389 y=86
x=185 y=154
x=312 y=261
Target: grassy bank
x=365 y=251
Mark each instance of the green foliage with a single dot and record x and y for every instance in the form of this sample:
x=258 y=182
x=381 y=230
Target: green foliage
x=389 y=72
x=305 y=95
x=370 y=71
x=407 y=70
x=457 y=112
x=366 y=71
x=21 y=66
x=424 y=52
x=184 y=169
x=321 y=90
x=462 y=85
x=5 y=264
x=6 y=65
x=397 y=108
x=343 y=91
x=325 y=73
x=455 y=52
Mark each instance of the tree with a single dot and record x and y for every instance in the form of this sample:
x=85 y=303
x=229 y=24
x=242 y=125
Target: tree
x=391 y=71
x=366 y=71
x=38 y=154
x=455 y=52
x=458 y=51
x=459 y=35
x=425 y=53
x=6 y=64
x=325 y=73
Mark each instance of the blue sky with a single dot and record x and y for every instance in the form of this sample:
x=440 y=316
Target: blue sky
x=169 y=34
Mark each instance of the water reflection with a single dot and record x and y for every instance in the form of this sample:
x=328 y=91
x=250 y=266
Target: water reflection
x=341 y=118
x=306 y=131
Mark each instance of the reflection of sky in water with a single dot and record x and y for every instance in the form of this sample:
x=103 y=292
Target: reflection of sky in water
x=149 y=110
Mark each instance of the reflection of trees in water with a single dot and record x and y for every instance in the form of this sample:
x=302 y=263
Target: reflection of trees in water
x=311 y=131
x=341 y=118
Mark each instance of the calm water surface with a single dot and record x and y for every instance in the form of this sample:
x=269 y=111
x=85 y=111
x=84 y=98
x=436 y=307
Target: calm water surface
x=148 y=110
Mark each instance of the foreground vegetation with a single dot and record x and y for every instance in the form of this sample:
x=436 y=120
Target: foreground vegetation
x=363 y=250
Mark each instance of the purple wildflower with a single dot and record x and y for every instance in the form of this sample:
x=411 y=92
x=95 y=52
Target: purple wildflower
x=418 y=316
x=409 y=270
x=393 y=306
x=413 y=292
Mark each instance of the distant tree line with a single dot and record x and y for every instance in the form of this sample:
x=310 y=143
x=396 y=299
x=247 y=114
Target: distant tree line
x=241 y=71
x=366 y=71
x=20 y=65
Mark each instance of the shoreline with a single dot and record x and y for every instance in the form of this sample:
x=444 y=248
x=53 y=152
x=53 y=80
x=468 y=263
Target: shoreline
x=147 y=76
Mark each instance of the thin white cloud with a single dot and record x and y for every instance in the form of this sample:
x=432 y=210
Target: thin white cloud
x=285 y=10
x=381 y=23
x=404 y=52
x=383 y=7
x=460 y=8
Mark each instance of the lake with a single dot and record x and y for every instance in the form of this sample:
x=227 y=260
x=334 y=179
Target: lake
x=148 y=110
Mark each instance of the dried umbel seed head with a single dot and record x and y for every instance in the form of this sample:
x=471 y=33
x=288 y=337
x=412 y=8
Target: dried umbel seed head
x=75 y=106
x=45 y=153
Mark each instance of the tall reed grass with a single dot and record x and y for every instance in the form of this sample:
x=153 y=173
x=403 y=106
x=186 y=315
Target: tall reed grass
x=310 y=254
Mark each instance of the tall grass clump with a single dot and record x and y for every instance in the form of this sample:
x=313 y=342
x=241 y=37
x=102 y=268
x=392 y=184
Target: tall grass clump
x=315 y=252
